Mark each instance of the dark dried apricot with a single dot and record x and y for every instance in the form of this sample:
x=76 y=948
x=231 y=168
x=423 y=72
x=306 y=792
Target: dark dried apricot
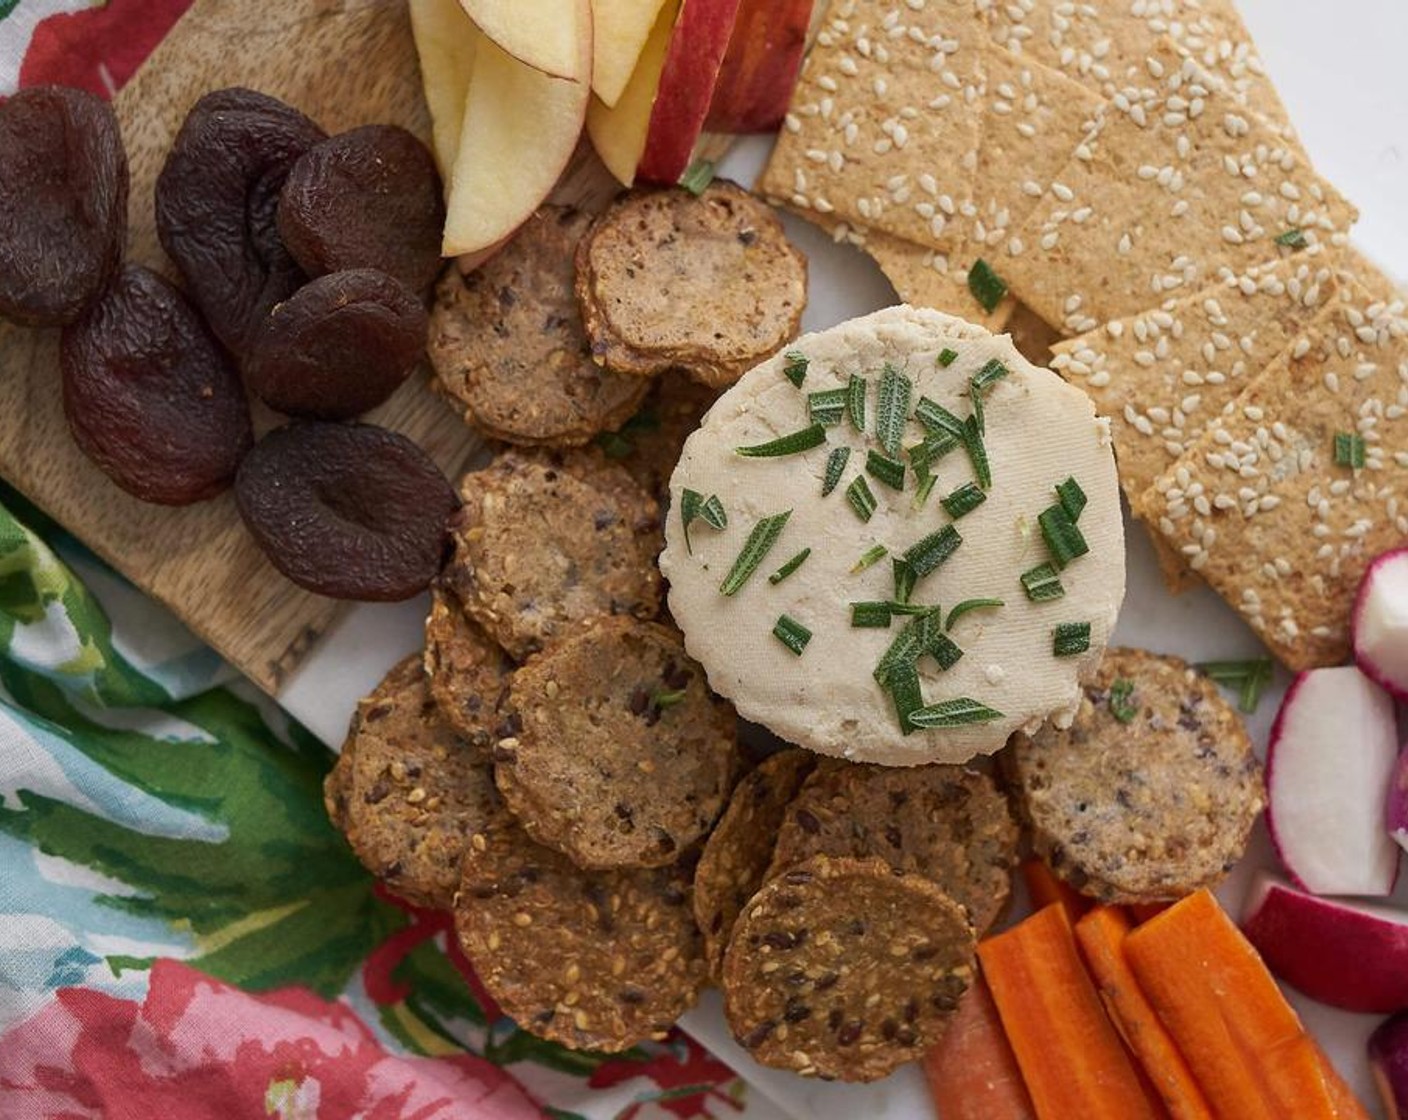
x=338 y=346
x=150 y=396
x=217 y=200
x=63 y=203
x=351 y=511
x=369 y=198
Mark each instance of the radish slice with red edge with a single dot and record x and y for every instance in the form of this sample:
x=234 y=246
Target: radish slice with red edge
x=1333 y=750
x=1398 y=802
x=1381 y=622
x=1388 y=1058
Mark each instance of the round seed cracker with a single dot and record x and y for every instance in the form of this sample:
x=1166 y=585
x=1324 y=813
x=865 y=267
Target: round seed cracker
x=468 y=672
x=1144 y=809
x=595 y=960
x=508 y=347
x=649 y=444
x=738 y=851
x=948 y=823
x=624 y=758
x=408 y=793
x=845 y=969
x=546 y=541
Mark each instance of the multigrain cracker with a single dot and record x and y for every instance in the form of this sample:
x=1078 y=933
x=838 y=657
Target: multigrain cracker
x=947 y=823
x=468 y=672
x=622 y=756
x=1271 y=512
x=738 y=851
x=1152 y=791
x=648 y=445
x=845 y=969
x=1176 y=183
x=408 y=793
x=595 y=960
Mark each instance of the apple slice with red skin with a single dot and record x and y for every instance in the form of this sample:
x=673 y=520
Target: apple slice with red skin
x=544 y=34
x=1345 y=954
x=760 y=66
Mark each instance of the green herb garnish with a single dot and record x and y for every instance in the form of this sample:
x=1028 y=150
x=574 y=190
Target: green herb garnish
x=987 y=286
x=969 y=605
x=886 y=470
x=698 y=176
x=905 y=693
x=947 y=357
x=1249 y=678
x=915 y=609
x=1071 y=638
x=1073 y=499
x=1293 y=238
x=869 y=558
x=991 y=373
x=904 y=650
x=926 y=555
x=792 y=634
x=953 y=713
x=791 y=566
x=790 y=444
x=926 y=487
x=943 y=649
x=977 y=452
x=695 y=507
x=663 y=699
x=1122 y=705
x=1042 y=584
x=757 y=546
x=935 y=446
x=892 y=409
x=964 y=500
x=826 y=407
x=861 y=497
x=977 y=420
x=835 y=468
x=795 y=369
x=1063 y=539
x=905 y=579
x=615 y=446
x=856 y=390
x=870 y=616
x=938 y=419
x=1349 y=450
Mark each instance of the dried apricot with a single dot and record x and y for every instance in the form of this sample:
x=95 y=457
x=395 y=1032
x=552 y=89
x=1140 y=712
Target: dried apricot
x=63 y=203
x=217 y=201
x=351 y=511
x=338 y=346
x=150 y=396
x=369 y=198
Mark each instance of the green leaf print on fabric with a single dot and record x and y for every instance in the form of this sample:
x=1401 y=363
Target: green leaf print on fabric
x=8 y=6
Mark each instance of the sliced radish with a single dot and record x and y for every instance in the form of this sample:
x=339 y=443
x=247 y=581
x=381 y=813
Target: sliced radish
x=1388 y=1058
x=1348 y=955
x=1381 y=622
x=1398 y=801
x=1333 y=750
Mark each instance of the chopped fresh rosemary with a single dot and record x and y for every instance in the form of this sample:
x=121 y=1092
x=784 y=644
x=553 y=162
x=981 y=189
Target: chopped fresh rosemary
x=935 y=446
x=791 y=566
x=869 y=558
x=915 y=609
x=861 y=497
x=790 y=444
x=698 y=176
x=1072 y=497
x=1349 y=450
x=937 y=419
x=1042 y=584
x=835 y=468
x=695 y=507
x=1122 y=705
x=1293 y=238
x=884 y=469
x=943 y=649
x=1063 y=539
x=991 y=373
x=977 y=452
x=792 y=634
x=856 y=389
x=987 y=286
x=796 y=368
x=1071 y=638
x=926 y=555
x=953 y=713
x=1249 y=678
x=904 y=579
x=905 y=693
x=978 y=420
x=904 y=650
x=969 y=605
x=826 y=407
x=870 y=616
x=757 y=546
x=947 y=357
x=926 y=487
x=964 y=500
x=663 y=699
x=892 y=409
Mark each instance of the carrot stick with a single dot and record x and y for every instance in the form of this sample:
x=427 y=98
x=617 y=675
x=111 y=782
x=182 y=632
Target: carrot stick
x=1101 y=934
x=1070 y=1055
x=1141 y=912
x=1347 y=1105
x=1045 y=888
x=972 y=1073
x=1241 y=1039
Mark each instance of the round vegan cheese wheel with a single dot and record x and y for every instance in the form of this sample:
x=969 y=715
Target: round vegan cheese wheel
x=1017 y=668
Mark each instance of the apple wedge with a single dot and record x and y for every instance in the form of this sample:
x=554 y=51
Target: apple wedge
x=545 y=34
x=1348 y=955
x=618 y=132
x=760 y=67
x=520 y=129
x=620 y=29
x=445 y=40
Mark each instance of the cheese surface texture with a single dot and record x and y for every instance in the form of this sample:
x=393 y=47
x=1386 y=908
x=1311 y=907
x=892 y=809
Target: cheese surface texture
x=1037 y=431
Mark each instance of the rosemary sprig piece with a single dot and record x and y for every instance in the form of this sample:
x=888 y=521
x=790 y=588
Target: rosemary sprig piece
x=755 y=549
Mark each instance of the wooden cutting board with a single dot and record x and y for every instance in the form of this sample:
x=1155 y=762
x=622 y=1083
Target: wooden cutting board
x=344 y=64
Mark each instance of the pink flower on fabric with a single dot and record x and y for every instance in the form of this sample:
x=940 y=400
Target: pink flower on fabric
x=198 y=1049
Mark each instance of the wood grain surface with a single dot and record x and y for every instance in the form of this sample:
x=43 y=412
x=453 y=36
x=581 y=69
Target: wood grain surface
x=344 y=64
